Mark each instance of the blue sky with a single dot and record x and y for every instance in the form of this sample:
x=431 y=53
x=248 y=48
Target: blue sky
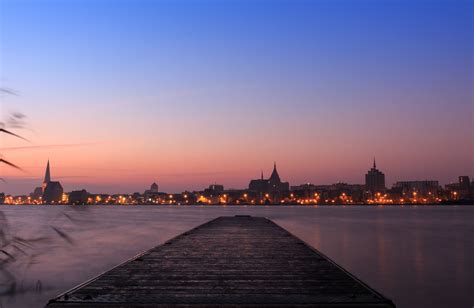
x=193 y=86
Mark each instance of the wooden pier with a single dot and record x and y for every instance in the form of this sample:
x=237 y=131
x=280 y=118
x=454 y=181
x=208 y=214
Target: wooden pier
x=239 y=261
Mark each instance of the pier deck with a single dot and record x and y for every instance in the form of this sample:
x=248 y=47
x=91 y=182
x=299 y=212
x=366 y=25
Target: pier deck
x=239 y=261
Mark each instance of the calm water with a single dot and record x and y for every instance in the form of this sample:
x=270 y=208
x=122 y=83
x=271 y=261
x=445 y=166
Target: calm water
x=417 y=256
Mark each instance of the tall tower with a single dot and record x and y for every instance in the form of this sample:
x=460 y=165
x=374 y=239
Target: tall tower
x=47 y=177
x=375 y=180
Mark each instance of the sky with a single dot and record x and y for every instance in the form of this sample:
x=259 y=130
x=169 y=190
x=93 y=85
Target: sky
x=119 y=94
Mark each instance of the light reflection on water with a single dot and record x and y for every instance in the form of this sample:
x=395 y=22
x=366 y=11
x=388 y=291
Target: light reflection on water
x=417 y=256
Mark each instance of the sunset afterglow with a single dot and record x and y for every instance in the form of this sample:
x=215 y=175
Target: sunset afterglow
x=192 y=93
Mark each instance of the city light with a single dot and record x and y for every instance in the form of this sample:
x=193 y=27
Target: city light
x=263 y=191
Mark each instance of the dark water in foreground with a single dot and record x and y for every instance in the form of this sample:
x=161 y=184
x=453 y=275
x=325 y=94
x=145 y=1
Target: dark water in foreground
x=417 y=256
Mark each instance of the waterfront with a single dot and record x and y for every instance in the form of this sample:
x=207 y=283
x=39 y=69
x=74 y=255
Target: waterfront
x=419 y=256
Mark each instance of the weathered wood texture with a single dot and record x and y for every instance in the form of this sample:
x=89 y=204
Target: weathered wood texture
x=228 y=262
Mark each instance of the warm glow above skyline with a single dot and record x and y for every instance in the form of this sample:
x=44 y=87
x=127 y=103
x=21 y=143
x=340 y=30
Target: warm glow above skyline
x=192 y=93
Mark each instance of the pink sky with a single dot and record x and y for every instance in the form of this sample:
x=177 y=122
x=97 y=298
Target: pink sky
x=192 y=94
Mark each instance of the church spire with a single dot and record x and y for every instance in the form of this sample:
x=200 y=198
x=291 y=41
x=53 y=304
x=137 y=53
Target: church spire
x=47 y=175
x=375 y=166
x=262 y=175
x=275 y=177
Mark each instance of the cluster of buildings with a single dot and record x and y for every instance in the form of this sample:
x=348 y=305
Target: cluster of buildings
x=270 y=190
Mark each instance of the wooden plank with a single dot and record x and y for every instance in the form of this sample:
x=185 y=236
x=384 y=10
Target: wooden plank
x=227 y=262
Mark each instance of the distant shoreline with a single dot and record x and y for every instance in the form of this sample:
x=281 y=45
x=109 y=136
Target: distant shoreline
x=250 y=205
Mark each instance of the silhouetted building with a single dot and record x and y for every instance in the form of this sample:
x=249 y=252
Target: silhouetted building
x=375 y=180
x=396 y=193
x=339 y=192
x=421 y=188
x=236 y=196
x=353 y=192
x=272 y=188
x=37 y=193
x=2 y=198
x=305 y=191
x=213 y=190
x=462 y=189
x=47 y=177
x=78 y=197
x=216 y=188
x=137 y=197
x=464 y=186
x=151 y=194
x=53 y=192
x=186 y=197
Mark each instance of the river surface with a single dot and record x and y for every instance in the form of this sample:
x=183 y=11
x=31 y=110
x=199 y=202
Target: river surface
x=418 y=256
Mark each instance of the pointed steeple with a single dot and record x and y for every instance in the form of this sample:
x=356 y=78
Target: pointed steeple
x=375 y=166
x=275 y=177
x=47 y=175
x=262 y=175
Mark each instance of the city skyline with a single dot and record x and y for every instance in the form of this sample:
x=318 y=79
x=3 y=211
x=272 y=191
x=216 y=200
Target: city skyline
x=192 y=93
x=41 y=182
x=270 y=190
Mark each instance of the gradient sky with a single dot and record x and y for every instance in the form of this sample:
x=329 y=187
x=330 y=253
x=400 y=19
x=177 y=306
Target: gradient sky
x=119 y=94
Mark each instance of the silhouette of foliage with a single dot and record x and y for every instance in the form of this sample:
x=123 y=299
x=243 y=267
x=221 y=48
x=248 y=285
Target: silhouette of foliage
x=16 y=121
x=9 y=164
x=16 y=251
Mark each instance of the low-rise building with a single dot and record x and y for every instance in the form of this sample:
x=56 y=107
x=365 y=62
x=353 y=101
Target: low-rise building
x=78 y=197
x=418 y=188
